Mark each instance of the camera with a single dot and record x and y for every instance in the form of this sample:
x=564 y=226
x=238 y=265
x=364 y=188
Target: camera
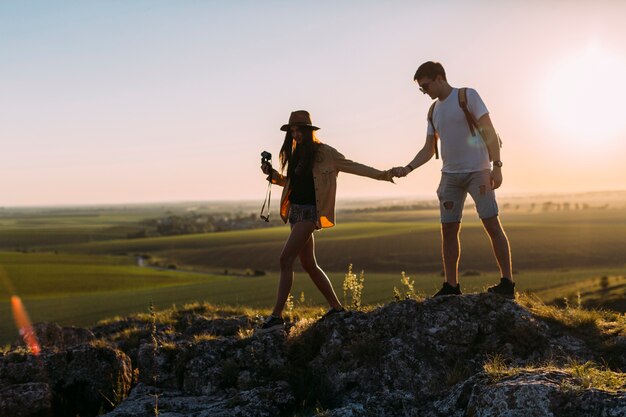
x=266 y=157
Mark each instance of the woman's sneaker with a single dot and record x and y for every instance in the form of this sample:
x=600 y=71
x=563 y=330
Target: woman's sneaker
x=271 y=323
x=448 y=289
x=331 y=312
x=505 y=288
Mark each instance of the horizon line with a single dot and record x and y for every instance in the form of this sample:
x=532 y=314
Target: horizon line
x=255 y=200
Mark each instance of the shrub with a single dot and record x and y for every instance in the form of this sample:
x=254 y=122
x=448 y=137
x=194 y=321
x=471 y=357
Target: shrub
x=352 y=288
x=289 y=306
x=409 y=290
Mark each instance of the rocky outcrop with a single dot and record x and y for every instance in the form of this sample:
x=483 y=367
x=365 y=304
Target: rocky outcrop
x=80 y=378
x=539 y=393
x=406 y=358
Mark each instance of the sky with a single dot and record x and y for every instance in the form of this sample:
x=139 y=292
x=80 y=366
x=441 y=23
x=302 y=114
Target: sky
x=115 y=102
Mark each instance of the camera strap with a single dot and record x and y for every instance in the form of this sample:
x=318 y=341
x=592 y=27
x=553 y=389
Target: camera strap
x=268 y=198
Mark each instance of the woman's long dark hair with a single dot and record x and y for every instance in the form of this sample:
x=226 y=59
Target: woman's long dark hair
x=302 y=154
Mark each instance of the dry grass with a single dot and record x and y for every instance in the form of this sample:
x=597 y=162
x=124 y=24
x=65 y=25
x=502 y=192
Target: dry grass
x=585 y=375
x=198 y=338
x=589 y=375
x=300 y=326
x=574 y=317
x=496 y=368
x=245 y=333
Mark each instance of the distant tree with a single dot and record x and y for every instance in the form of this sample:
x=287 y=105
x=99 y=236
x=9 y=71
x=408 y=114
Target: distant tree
x=138 y=234
x=604 y=283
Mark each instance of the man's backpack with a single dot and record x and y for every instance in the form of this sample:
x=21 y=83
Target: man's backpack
x=471 y=120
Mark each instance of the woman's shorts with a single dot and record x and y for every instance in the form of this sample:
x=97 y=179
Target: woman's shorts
x=302 y=213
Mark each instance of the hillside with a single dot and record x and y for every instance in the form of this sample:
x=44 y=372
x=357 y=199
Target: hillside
x=75 y=266
x=450 y=356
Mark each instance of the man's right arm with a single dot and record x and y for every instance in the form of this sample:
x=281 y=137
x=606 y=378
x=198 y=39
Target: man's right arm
x=424 y=155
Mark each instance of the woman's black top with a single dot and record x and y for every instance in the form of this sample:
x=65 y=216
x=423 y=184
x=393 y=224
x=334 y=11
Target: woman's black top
x=302 y=185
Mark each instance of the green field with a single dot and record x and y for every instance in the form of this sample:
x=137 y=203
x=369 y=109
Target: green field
x=82 y=289
x=553 y=240
x=77 y=267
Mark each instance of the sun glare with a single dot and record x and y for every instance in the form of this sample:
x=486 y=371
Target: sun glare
x=24 y=325
x=583 y=94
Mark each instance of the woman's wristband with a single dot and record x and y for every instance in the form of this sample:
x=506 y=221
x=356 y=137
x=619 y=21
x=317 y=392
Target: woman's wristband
x=409 y=167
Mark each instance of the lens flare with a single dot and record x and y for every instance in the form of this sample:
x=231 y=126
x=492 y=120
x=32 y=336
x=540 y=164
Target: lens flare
x=23 y=323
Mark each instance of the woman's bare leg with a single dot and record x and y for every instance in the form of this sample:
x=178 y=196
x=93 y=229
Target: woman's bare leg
x=309 y=263
x=300 y=234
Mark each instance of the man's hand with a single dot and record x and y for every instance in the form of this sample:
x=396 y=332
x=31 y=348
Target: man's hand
x=266 y=168
x=496 y=178
x=400 y=171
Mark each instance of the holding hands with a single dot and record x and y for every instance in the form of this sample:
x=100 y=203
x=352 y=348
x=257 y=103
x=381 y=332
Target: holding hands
x=401 y=171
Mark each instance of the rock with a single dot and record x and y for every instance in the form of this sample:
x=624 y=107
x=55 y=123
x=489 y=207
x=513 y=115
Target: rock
x=536 y=393
x=217 y=327
x=53 y=336
x=211 y=366
x=89 y=378
x=406 y=358
x=258 y=402
x=33 y=399
x=80 y=380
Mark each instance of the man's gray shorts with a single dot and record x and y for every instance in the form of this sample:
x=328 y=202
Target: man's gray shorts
x=453 y=190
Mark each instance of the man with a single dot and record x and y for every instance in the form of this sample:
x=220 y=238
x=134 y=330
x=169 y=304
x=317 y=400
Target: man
x=466 y=153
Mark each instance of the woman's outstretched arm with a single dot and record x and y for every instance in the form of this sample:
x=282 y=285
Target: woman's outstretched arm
x=346 y=165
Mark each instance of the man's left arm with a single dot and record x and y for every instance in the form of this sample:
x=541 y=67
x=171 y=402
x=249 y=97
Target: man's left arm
x=493 y=147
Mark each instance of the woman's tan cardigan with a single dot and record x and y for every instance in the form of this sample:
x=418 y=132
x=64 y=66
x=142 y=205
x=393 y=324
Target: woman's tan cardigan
x=327 y=165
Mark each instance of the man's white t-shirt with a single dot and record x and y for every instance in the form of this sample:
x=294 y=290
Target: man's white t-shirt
x=460 y=151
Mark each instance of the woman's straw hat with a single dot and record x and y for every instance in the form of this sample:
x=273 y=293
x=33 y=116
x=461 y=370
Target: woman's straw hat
x=299 y=118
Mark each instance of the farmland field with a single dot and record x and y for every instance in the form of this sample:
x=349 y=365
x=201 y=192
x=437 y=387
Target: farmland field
x=78 y=266
x=553 y=240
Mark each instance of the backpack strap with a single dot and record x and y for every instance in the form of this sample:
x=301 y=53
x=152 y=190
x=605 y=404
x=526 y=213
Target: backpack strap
x=471 y=120
x=430 y=120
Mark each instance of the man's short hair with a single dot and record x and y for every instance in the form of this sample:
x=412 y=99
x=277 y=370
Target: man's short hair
x=430 y=70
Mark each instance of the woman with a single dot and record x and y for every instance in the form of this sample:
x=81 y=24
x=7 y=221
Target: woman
x=308 y=202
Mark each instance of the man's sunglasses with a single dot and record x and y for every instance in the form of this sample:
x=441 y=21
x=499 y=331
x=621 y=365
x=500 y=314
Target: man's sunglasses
x=424 y=87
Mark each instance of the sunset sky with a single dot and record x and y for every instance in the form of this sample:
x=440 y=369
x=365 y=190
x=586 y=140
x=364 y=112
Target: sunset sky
x=152 y=101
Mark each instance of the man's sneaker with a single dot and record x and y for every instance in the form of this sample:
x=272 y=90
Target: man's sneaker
x=271 y=323
x=505 y=288
x=332 y=311
x=448 y=289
